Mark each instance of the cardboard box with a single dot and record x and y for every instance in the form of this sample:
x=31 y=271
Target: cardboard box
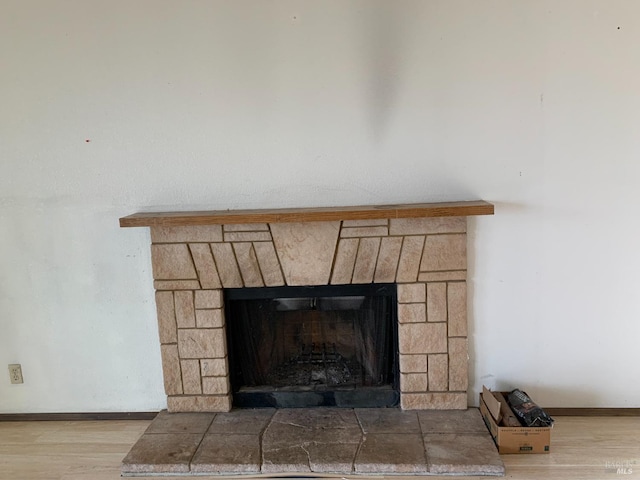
x=512 y=439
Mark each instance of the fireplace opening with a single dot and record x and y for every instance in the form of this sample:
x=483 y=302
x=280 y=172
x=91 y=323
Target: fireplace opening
x=313 y=346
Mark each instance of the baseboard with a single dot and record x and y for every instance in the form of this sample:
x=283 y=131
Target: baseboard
x=75 y=417
x=593 y=412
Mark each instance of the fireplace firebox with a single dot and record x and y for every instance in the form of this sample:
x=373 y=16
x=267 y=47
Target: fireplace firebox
x=310 y=346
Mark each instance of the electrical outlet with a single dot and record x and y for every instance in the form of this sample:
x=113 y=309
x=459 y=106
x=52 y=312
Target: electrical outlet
x=15 y=373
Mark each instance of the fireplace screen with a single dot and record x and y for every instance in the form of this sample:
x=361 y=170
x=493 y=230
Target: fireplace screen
x=313 y=346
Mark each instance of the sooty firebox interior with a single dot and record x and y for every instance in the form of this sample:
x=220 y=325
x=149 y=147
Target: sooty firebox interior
x=313 y=346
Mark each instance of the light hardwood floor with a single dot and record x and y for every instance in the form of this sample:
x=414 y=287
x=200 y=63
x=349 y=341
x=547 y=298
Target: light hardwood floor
x=582 y=448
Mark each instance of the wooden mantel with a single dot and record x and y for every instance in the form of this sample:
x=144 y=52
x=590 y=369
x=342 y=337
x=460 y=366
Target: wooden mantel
x=320 y=214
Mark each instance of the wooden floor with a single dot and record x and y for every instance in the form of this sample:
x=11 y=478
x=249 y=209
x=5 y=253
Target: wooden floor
x=583 y=448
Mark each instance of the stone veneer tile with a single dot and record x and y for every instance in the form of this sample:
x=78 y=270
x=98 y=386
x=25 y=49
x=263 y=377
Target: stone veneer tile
x=442 y=276
x=208 y=299
x=244 y=421
x=306 y=250
x=364 y=232
x=345 y=261
x=199 y=403
x=166 y=422
x=435 y=401
x=176 y=284
x=214 y=367
x=202 y=343
x=391 y=453
x=247 y=237
x=269 y=264
x=172 y=262
x=411 y=293
x=186 y=234
x=452 y=421
x=458 y=364
x=410 y=259
x=161 y=453
x=460 y=454
x=206 y=267
x=209 y=318
x=412 y=313
x=166 y=317
x=366 y=260
x=228 y=453
x=191 y=377
x=246 y=227
x=416 y=338
x=387 y=420
x=387 y=265
x=438 y=372
x=171 y=369
x=215 y=385
x=185 y=310
x=248 y=263
x=427 y=225
x=444 y=252
x=457 y=302
x=413 y=363
x=437 y=302
x=413 y=382
x=378 y=222
x=227 y=266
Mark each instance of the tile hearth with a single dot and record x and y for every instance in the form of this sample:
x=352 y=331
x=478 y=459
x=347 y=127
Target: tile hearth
x=316 y=441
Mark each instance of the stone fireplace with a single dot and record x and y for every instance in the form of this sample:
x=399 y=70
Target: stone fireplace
x=421 y=249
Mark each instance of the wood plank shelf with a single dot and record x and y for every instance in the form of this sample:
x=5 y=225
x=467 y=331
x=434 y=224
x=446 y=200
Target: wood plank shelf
x=319 y=214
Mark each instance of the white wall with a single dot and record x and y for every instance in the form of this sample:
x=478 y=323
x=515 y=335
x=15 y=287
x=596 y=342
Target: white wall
x=108 y=108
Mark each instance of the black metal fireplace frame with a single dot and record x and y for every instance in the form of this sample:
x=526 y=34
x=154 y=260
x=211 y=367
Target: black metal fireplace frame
x=374 y=396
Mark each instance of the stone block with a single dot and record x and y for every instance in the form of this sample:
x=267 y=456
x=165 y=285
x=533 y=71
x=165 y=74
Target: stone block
x=247 y=237
x=387 y=265
x=409 y=262
x=186 y=234
x=413 y=363
x=444 y=252
x=411 y=293
x=215 y=385
x=191 y=377
x=345 y=261
x=458 y=364
x=161 y=454
x=437 y=302
x=391 y=453
x=435 y=401
x=387 y=420
x=269 y=264
x=166 y=317
x=209 y=318
x=442 y=276
x=172 y=262
x=438 y=372
x=359 y=232
x=202 y=343
x=246 y=227
x=413 y=382
x=206 y=267
x=171 y=369
x=457 y=301
x=412 y=313
x=228 y=453
x=208 y=299
x=366 y=260
x=462 y=454
x=227 y=266
x=166 y=422
x=248 y=263
x=427 y=225
x=214 y=367
x=199 y=403
x=185 y=310
x=376 y=222
x=176 y=284
x=421 y=338
x=452 y=421
x=306 y=250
